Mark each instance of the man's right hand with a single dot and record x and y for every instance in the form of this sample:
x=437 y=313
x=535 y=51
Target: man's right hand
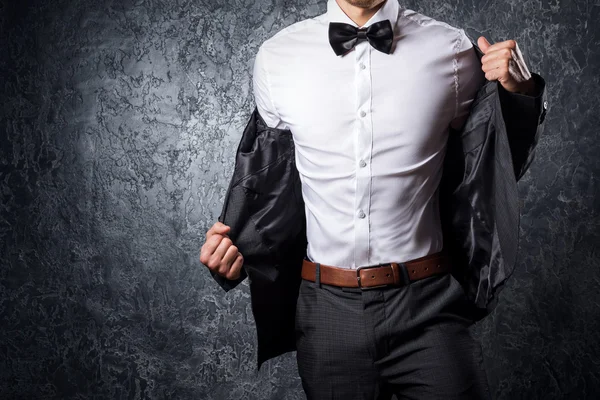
x=219 y=254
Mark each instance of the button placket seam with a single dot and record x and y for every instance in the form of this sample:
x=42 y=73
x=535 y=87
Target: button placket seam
x=361 y=225
x=368 y=168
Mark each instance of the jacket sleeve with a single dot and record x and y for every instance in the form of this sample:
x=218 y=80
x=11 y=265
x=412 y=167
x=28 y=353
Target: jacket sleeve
x=524 y=118
x=234 y=211
x=259 y=163
x=228 y=284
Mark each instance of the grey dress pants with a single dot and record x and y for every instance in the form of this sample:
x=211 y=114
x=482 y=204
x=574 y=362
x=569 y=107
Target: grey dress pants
x=410 y=341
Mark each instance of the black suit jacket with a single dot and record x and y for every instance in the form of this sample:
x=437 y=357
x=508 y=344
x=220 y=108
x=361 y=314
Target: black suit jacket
x=479 y=208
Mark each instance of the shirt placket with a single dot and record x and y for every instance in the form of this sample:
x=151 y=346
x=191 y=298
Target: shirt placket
x=363 y=145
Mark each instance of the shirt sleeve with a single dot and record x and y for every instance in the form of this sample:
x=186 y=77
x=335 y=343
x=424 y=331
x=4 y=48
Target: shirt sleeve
x=468 y=78
x=262 y=92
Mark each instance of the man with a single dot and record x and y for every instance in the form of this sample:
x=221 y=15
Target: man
x=370 y=112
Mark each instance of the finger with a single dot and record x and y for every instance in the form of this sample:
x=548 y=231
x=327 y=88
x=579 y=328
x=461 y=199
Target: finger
x=501 y=63
x=228 y=259
x=217 y=256
x=497 y=74
x=208 y=249
x=505 y=53
x=219 y=228
x=483 y=44
x=236 y=267
x=214 y=242
x=507 y=44
x=491 y=75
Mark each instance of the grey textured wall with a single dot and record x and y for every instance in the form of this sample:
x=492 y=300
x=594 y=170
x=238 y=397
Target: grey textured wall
x=119 y=121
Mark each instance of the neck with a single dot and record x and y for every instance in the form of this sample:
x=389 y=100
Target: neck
x=360 y=14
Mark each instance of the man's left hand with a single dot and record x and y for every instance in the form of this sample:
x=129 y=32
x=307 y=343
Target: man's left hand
x=504 y=62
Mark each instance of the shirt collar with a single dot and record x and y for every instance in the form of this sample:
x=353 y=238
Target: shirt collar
x=389 y=10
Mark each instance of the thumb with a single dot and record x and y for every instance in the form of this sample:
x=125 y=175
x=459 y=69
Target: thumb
x=221 y=228
x=483 y=44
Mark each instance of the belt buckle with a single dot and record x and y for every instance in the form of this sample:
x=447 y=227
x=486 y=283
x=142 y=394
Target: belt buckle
x=401 y=267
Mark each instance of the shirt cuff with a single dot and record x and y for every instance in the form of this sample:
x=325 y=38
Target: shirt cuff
x=518 y=104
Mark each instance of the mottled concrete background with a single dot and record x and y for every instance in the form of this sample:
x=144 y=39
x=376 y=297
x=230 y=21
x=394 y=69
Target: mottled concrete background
x=119 y=121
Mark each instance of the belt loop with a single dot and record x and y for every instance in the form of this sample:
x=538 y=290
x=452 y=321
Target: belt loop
x=404 y=273
x=318 y=275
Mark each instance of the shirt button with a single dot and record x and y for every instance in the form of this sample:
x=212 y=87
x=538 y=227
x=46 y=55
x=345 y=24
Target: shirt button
x=362 y=66
x=362 y=163
x=361 y=214
x=362 y=113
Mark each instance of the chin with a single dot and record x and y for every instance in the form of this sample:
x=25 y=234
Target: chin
x=364 y=3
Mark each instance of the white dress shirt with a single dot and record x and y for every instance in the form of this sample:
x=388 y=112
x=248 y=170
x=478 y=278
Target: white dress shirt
x=370 y=129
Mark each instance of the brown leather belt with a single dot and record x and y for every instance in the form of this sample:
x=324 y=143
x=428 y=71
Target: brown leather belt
x=378 y=275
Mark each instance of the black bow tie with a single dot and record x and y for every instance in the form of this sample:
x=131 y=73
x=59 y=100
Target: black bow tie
x=344 y=37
